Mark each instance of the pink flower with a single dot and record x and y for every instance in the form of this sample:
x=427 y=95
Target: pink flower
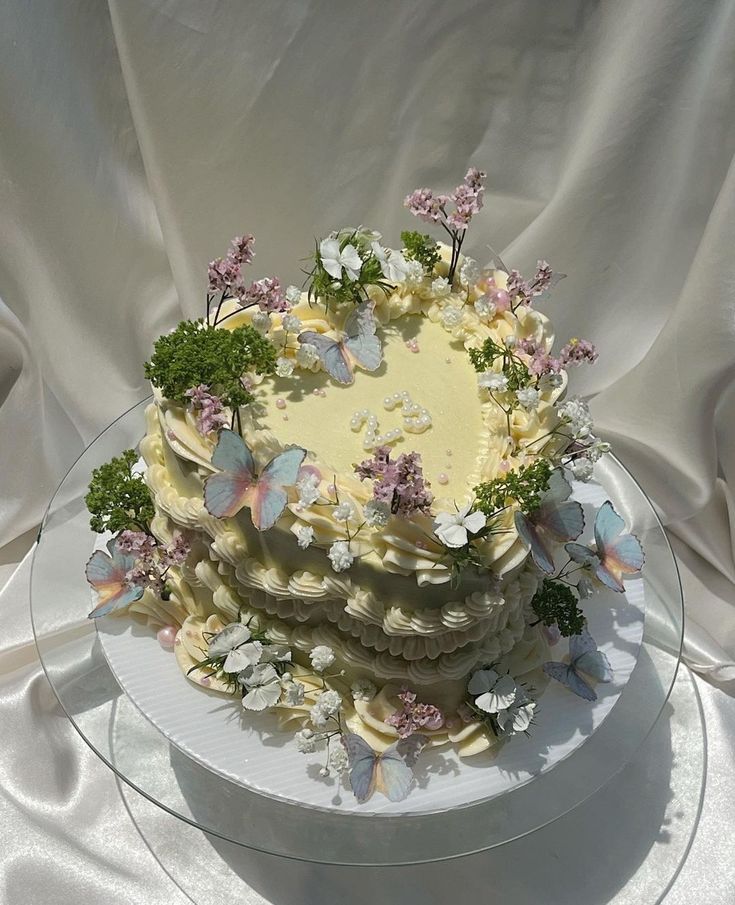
x=524 y=291
x=578 y=351
x=137 y=542
x=241 y=250
x=398 y=483
x=267 y=294
x=177 y=551
x=414 y=716
x=422 y=203
x=209 y=408
x=224 y=275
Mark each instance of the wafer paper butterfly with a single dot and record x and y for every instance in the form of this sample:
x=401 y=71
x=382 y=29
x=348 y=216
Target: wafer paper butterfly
x=106 y=573
x=614 y=554
x=390 y=772
x=237 y=484
x=358 y=346
x=557 y=519
x=583 y=658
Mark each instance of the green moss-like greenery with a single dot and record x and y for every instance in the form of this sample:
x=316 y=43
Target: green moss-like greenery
x=117 y=498
x=195 y=354
x=554 y=602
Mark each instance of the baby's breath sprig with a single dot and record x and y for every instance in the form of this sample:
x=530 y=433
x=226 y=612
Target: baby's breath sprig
x=525 y=487
x=118 y=498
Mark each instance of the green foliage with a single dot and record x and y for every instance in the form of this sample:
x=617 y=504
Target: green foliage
x=422 y=248
x=117 y=498
x=194 y=354
x=322 y=286
x=514 y=369
x=554 y=602
x=525 y=486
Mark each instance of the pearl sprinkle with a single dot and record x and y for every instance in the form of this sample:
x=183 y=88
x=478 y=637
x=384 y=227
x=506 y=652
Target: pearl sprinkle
x=372 y=438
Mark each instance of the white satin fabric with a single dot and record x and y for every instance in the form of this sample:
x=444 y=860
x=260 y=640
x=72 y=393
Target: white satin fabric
x=138 y=136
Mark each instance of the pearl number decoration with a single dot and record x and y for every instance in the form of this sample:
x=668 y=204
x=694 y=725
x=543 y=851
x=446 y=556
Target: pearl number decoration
x=416 y=420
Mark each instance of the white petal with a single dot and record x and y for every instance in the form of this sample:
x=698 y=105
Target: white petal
x=475 y=522
x=231 y=636
x=261 y=697
x=522 y=718
x=351 y=261
x=242 y=657
x=262 y=674
x=329 y=253
x=453 y=535
x=500 y=697
x=482 y=680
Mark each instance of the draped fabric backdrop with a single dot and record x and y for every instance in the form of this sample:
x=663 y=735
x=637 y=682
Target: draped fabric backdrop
x=138 y=136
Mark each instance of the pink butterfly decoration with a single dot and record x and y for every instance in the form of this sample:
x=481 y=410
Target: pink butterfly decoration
x=614 y=554
x=237 y=485
x=106 y=573
x=557 y=519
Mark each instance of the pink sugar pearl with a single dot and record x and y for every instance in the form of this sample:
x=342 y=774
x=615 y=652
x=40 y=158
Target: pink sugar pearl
x=205 y=680
x=280 y=403
x=167 y=636
x=501 y=299
x=443 y=478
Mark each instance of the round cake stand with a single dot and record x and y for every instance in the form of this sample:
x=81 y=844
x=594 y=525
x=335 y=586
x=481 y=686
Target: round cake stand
x=142 y=757
x=624 y=846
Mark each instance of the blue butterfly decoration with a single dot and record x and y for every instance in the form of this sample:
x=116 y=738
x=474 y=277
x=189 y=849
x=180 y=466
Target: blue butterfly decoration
x=614 y=554
x=359 y=345
x=237 y=484
x=557 y=519
x=390 y=772
x=106 y=573
x=584 y=657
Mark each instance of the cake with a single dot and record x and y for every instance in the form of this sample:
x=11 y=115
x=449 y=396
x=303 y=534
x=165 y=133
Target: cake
x=352 y=495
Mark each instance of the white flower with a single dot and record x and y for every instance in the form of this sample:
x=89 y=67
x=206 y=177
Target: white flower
x=451 y=317
x=392 y=263
x=485 y=307
x=325 y=707
x=264 y=687
x=242 y=657
x=376 y=513
x=440 y=287
x=291 y=323
x=306 y=741
x=338 y=760
x=582 y=468
x=261 y=321
x=517 y=717
x=492 y=380
x=414 y=274
x=494 y=692
x=343 y=512
x=469 y=272
x=284 y=366
x=333 y=260
x=576 y=414
x=529 y=398
x=304 y=536
x=293 y=295
x=585 y=587
x=321 y=657
x=293 y=693
x=452 y=527
x=307 y=355
x=308 y=488
x=363 y=690
x=595 y=450
x=230 y=637
x=340 y=556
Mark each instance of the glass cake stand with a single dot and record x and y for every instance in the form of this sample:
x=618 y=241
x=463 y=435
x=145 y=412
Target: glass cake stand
x=146 y=761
